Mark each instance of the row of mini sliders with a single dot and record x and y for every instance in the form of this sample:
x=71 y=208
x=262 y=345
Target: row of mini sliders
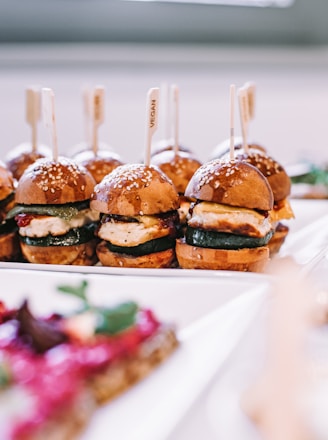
x=142 y=214
x=53 y=193
x=56 y=224
x=52 y=203
x=232 y=219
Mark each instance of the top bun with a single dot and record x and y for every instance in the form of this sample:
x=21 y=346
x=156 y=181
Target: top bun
x=166 y=145
x=135 y=189
x=179 y=167
x=234 y=183
x=277 y=177
x=224 y=147
x=100 y=164
x=6 y=181
x=81 y=147
x=22 y=156
x=54 y=182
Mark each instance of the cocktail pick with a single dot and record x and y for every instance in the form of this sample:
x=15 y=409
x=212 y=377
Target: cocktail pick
x=232 y=121
x=97 y=115
x=49 y=118
x=33 y=113
x=175 y=102
x=251 y=91
x=244 y=115
x=152 y=102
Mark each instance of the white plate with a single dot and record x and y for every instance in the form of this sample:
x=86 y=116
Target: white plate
x=153 y=408
x=299 y=244
x=306 y=212
x=319 y=271
x=308 y=244
x=217 y=413
x=208 y=331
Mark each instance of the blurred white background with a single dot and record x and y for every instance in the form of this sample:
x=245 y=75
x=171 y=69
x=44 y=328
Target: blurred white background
x=291 y=98
x=131 y=46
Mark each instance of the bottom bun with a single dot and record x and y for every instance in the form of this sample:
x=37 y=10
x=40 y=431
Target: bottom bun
x=155 y=260
x=79 y=255
x=245 y=260
x=278 y=238
x=9 y=247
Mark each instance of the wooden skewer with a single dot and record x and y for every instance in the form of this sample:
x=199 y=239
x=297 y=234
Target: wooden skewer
x=49 y=118
x=244 y=116
x=175 y=100
x=98 y=115
x=232 y=121
x=151 y=120
x=251 y=90
x=33 y=113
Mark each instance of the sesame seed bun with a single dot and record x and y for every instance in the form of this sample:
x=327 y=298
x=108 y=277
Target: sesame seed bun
x=135 y=189
x=76 y=149
x=223 y=148
x=22 y=156
x=49 y=181
x=167 y=144
x=6 y=181
x=275 y=173
x=179 y=167
x=234 y=183
x=244 y=260
x=157 y=260
x=98 y=165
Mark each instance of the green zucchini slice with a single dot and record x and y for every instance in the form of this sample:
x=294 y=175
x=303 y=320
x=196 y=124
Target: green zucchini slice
x=222 y=240
x=66 y=212
x=149 y=247
x=73 y=237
